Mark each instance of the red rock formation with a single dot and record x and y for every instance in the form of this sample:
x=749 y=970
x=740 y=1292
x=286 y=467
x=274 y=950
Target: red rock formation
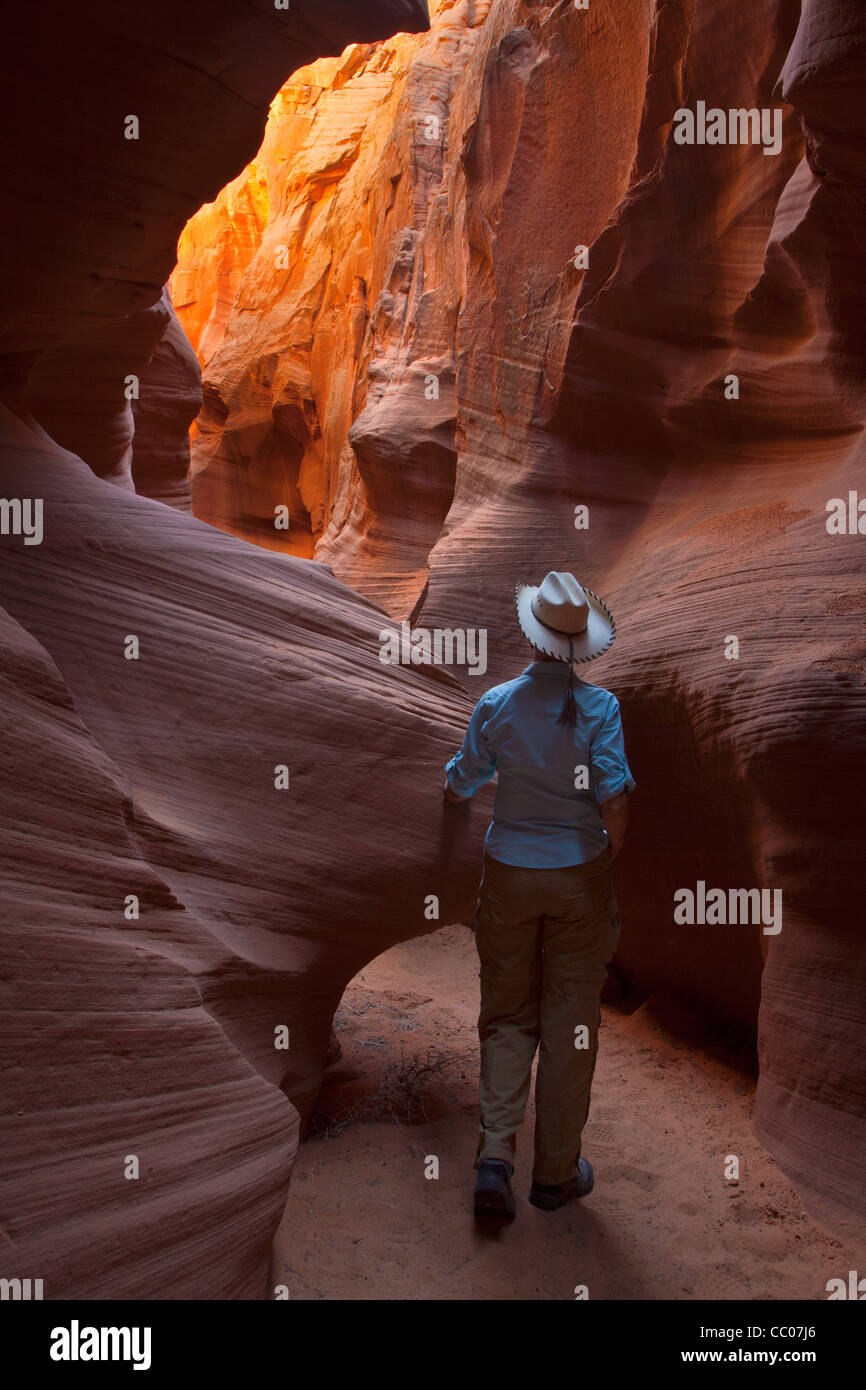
x=169 y=399
x=98 y=1013
x=605 y=386
x=98 y=238
x=155 y=777
x=810 y=1098
x=122 y=394
x=323 y=280
x=257 y=904
x=142 y=135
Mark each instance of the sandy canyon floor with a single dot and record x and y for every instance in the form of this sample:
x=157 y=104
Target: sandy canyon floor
x=363 y=1221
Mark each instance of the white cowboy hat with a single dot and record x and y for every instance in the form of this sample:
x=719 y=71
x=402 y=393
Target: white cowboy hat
x=563 y=619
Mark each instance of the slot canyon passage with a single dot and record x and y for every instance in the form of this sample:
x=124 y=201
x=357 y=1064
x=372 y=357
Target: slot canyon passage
x=321 y=320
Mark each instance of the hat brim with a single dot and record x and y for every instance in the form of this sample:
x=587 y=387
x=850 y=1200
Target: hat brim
x=596 y=638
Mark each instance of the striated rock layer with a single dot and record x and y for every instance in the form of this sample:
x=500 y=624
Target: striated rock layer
x=417 y=366
x=149 y=1114
x=160 y=776
x=112 y=1055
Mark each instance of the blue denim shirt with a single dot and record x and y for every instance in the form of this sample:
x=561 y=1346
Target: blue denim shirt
x=546 y=810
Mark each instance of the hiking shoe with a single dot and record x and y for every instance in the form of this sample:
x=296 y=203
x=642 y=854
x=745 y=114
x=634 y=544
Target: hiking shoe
x=552 y=1198
x=493 y=1195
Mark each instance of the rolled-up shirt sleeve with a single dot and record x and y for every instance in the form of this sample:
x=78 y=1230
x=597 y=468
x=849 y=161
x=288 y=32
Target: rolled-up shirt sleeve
x=610 y=771
x=475 y=763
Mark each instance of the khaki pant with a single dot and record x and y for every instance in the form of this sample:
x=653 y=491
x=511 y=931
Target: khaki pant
x=544 y=938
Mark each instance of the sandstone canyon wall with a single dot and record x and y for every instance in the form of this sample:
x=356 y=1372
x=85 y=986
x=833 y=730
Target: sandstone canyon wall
x=400 y=346
x=151 y=784
x=155 y=1035
x=365 y=252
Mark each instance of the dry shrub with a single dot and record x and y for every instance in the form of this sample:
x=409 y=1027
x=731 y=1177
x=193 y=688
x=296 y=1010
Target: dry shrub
x=399 y=1097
